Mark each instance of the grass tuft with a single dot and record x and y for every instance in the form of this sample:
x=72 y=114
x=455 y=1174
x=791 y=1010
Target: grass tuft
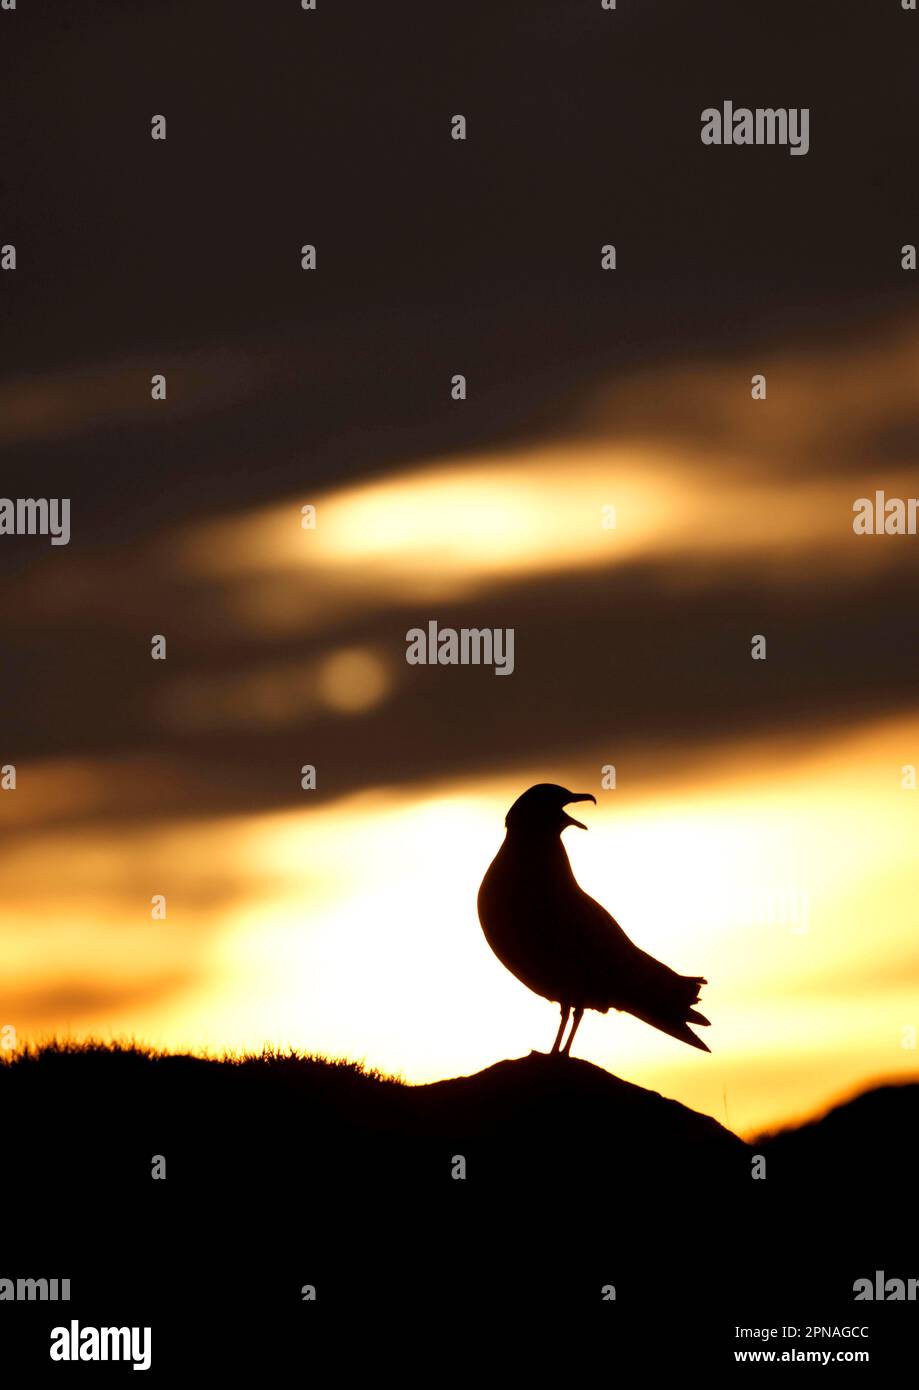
x=270 y=1056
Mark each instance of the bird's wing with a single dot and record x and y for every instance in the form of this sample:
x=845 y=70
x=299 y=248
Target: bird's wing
x=628 y=978
x=597 y=938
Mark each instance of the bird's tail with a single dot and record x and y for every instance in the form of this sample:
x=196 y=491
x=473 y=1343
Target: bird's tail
x=688 y=1036
x=679 y=1031
x=692 y=985
x=678 y=1012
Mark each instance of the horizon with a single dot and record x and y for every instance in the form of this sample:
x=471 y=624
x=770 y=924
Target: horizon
x=273 y=1053
x=275 y=963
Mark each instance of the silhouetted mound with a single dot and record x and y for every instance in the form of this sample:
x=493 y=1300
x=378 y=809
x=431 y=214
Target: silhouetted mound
x=866 y=1137
x=283 y=1111
x=590 y=1120
x=556 y=1116
x=502 y=1174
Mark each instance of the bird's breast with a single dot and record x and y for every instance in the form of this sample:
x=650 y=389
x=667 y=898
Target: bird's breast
x=518 y=912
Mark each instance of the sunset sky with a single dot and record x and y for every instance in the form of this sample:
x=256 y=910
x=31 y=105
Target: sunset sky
x=776 y=856
x=759 y=834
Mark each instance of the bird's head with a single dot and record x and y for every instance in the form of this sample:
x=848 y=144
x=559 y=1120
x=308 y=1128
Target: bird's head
x=541 y=810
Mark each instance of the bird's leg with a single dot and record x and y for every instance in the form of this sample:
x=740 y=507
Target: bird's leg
x=566 y=1010
x=578 y=1015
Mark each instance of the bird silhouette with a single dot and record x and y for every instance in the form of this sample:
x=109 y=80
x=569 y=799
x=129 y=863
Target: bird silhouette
x=559 y=941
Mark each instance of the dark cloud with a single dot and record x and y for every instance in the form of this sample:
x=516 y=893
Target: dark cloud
x=433 y=257
x=609 y=666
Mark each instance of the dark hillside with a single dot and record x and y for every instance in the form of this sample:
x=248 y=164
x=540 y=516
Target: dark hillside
x=316 y=1171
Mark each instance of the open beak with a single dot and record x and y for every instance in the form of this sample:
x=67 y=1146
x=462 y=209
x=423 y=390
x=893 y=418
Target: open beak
x=579 y=796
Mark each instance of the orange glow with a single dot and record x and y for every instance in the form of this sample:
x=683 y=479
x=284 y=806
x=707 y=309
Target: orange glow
x=355 y=933
x=784 y=869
